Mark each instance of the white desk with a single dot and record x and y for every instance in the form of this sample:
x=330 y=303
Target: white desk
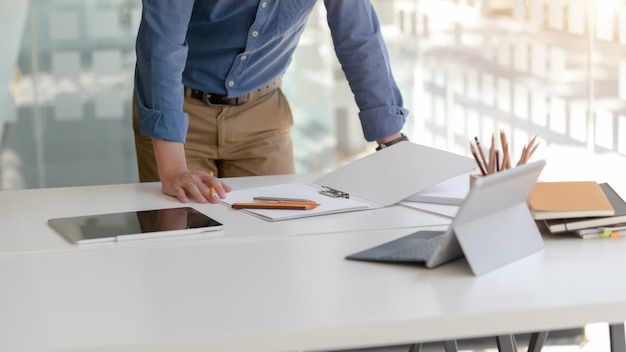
x=24 y=215
x=294 y=293
x=274 y=286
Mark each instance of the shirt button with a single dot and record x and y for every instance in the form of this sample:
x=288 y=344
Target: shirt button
x=231 y=83
x=243 y=57
x=255 y=34
x=264 y=4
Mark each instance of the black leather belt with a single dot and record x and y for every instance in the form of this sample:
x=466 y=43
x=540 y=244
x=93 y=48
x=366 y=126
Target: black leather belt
x=215 y=99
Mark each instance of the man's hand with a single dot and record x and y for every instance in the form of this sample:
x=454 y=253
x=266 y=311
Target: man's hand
x=178 y=181
x=184 y=184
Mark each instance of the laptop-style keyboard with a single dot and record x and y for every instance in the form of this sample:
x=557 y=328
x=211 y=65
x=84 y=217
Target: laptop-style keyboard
x=419 y=251
x=417 y=246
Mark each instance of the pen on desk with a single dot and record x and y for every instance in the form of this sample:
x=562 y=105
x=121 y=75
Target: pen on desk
x=604 y=234
x=282 y=199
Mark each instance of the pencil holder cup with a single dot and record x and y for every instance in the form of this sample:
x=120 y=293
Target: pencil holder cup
x=473 y=178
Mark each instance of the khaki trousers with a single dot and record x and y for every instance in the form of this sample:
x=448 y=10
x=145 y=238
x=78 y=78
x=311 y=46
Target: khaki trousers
x=247 y=140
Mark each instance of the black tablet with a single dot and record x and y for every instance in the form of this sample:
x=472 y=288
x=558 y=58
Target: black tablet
x=134 y=225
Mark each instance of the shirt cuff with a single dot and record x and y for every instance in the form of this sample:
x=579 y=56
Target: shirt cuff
x=382 y=122
x=167 y=125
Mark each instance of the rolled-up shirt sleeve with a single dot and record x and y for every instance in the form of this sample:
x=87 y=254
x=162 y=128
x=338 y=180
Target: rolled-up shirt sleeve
x=361 y=50
x=161 y=50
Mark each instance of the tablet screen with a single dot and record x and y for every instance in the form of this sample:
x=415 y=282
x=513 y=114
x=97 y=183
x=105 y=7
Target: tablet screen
x=133 y=225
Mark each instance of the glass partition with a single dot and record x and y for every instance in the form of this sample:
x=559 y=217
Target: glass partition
x=467 y=68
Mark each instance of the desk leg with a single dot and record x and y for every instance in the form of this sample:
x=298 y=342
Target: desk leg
x=536 y=341
x=617 y=337
x=451 y=346
x=506 y=343
x=416 y=347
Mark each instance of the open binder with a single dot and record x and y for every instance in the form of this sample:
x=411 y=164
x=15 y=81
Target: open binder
x=377 y=180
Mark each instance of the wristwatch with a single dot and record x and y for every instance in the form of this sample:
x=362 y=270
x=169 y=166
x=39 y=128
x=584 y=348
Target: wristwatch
x=402 y=137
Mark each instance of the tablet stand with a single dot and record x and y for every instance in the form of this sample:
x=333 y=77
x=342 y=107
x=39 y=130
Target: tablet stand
x=491 y=241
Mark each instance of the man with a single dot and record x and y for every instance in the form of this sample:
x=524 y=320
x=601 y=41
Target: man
x=207 y=87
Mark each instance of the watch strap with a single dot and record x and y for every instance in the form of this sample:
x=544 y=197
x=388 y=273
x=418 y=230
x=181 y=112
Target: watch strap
x=402 y=138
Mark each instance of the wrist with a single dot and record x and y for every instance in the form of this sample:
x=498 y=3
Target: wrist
x=386 y=144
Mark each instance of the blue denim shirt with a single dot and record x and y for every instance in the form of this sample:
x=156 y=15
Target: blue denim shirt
x=232 y=47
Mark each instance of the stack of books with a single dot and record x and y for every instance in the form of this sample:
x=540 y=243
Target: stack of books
x=585 y=208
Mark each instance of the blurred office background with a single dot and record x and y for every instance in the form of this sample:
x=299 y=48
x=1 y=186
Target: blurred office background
x=551 y=68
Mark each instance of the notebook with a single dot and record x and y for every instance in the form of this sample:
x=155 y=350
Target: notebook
x=568 y=199
x=492 y=217
x=619 y=216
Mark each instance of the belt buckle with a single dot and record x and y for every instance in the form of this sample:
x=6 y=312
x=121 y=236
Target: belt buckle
x=214 y=99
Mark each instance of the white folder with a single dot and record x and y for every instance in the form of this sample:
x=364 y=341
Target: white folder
x=376 y=180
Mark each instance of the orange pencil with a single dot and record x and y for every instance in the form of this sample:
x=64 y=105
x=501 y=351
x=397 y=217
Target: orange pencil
x=275 y=205
x=212 y=189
